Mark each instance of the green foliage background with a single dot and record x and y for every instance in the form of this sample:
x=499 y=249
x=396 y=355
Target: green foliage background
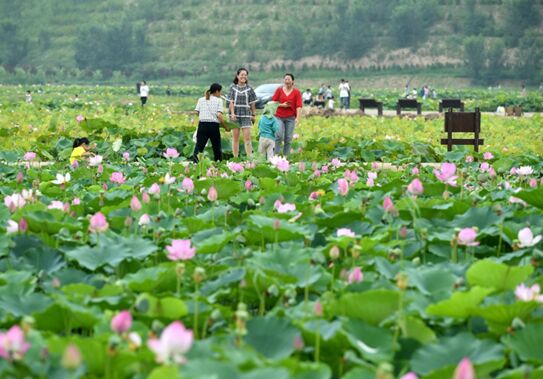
x=94 y=40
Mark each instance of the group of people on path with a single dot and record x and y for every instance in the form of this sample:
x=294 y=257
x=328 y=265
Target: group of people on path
x=325 y=96
x=276 y=126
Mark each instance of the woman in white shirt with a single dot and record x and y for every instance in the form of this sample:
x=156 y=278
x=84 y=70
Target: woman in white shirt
x=210 y=116
x=144 y=93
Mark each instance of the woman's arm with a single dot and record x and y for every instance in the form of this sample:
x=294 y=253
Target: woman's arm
x=222 y=121
x=231 y=108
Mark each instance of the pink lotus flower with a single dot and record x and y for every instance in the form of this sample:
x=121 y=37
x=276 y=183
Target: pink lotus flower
x=317 y=308
x=336 y=163
x=388 y=205
x=345 y=232
x=154 y=189
x=533 y=183
x=280 y=163
x=14 y=202
x=342 y=187
x=144 y=220
x=415 y=187
x=415 y=171
x=76 y=201
x=526 y=238
x=484 y=167
x=469 y=159
x=145 y=197
x=95 y=160
x=351 y=176
x=316 y=173
x=188 y=185
x=410 y=375
x=355 y=276
x=464 y=370
x=235 y=167
x=212 y=194
x=135 y=204
x=23 y=225
x=171 y=153
x=79 y=118
x=467 y=236
x=524 y=293
x=100 y=169
x=248 y=185
x=126 y=156
x=20 y=177
x=487 y=156
x=284 y=208
x=72 y=357
x=117 y=177
x=374 y=165
x=301 y=166
x=98 y=223
x=174 y=342
x=370 y=182
x=446 y=174
x=13 y=345
x=122 y=322
x=56 y=204
x=516 y=200
x=298 y=343
x=180 y=250
x=324 y=169
x=29 y=156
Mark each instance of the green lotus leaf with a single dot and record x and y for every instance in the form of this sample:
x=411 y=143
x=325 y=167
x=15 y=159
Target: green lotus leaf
x=527 y=343
x=211 y=240
x=499 y=276
x=206 y=369
x=152 y=278
x=439 y=359
x=499 y=317
x=373 y=343
x=460 y=305
x=169 y=307
x=371 y=306
x=532 y=196
x=271 y=336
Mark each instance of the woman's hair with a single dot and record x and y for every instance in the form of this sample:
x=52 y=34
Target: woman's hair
x=212 y=89
x=80 y=141
x=238 y=72
x=291 y=75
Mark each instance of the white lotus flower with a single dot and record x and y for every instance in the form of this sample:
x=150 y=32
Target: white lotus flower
x=526 y=238
x=525 y=170
x=62 y=179
x=116 y=146
x=12 y=227
x=169 y=179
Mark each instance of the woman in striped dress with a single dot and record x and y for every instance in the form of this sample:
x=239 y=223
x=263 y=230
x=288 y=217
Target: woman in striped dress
x=242 y=100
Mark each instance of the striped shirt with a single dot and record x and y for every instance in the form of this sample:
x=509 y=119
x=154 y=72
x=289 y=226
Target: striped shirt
x=208 y=109
x=242 y=97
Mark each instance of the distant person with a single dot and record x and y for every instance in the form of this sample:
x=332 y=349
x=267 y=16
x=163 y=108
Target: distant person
x=319 y=101
x=330 y=103
x=76 y=98
x=28 y=97
x=322 y=90
x=406 y=91
x=343 y=95
x=523 y=91
x=168 y=91
x=328 y=94
x=210 y=119
x=414 y=93
x=81 y=148
x=267 y=130
x=144 y=92
x=287 y=114
x=541 y=87
x=242 y=107
x=434 y=93
x=349 y=91
x=426 y=92
x=307 y=97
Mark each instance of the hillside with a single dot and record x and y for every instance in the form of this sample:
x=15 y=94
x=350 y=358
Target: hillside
x=136 y=38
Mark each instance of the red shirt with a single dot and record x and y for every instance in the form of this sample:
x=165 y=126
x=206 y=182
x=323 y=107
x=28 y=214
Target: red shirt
x=294 y=98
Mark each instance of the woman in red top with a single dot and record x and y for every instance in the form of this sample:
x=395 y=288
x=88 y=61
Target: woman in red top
x=287 y=114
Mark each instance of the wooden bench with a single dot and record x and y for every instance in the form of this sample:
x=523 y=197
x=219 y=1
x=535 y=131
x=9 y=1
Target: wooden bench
x=451 y=103
x=408 y=103
x=463 y=122
x=371 y=103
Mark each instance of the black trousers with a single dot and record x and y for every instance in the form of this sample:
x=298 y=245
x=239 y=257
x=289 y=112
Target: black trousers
x=208 y=131
x=143 y=100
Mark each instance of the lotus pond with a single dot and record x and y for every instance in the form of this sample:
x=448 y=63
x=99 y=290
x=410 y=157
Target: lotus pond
x=370 y=253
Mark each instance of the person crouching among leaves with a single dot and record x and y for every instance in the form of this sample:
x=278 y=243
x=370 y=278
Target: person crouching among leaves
x=267 y=128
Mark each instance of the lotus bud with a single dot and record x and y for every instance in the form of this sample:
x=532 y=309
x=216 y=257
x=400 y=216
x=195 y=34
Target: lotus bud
x=180 y=270
x=276 y=224
x=72 y=358
x=402 y=281
x=385 y=371
x=20 y=177
x=273 y=290
x=334 y=252
x=199 y=274
x=23 y=225
x=317 y=309
x=403 y=232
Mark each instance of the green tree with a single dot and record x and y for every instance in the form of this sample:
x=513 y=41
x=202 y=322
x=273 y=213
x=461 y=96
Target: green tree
x=14 y=47
x=531 y=56
x=474 y=56
x=520 y=15
x=496 y=58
